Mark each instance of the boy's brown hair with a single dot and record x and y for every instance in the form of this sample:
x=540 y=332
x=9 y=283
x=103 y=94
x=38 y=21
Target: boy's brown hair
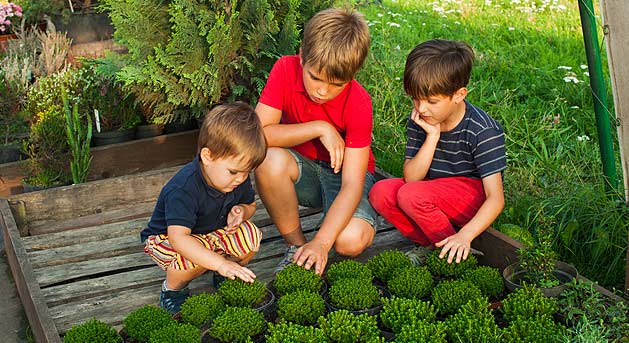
x=336 y=42
x=437 y=67
x=233 y=130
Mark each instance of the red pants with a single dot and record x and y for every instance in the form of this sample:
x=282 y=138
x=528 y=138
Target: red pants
x=425 y=211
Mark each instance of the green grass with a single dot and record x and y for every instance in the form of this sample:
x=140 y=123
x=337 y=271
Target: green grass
x=525 y=49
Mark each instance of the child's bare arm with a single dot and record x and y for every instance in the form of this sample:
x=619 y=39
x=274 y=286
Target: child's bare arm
x=458 y=245
x=188 y=247
x=416 y=168
x=238 y=214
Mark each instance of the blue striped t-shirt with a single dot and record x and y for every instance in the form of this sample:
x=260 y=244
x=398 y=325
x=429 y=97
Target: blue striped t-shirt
x=474 y=148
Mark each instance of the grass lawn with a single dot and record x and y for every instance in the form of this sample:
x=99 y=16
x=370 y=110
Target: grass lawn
x=531 y=75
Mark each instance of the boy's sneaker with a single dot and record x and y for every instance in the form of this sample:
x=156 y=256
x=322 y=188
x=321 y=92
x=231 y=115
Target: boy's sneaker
x=171 y=301
x=288 y=258
x=217 y=280
x=418 y=254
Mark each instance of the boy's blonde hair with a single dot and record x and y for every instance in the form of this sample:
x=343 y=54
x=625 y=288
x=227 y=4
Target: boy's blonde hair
x=233 y=130
x=336 y=42
x=437 y=67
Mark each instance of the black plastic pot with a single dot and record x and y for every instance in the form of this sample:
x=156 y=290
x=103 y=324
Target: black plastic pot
x=10 y=153
x=513 y=275
x=149 y=130
x=112 y=137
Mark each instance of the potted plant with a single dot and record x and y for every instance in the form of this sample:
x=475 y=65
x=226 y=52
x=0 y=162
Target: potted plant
x=441 y=267
x=449 y=296
x=284 y=332
x=176 y=333
x=343 y=326
x=348 y=269
x=92 y=330
x=473 y=322
x=355 y=295
x=412 y=282
x=141 y=323
x=201 y=309
x=10 y=16
x=538 y=329
x=527 y=302
x=302 y=307
x=386 y=264
x=237 y=324
x=423 y=332
x=294 y=278
x=487 y=279
x=237 y=292
x=399 y=312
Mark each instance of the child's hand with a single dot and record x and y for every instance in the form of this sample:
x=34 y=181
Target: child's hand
x=457 y=245
x=232 y=270
x=431 y=129
x=334 y=143
x=235 y=217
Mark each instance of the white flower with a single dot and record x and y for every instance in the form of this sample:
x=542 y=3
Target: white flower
x=397 y=47
x=393 y=24
x=583 y=66
x=564 y=67
x=380 y=15
x=586 y=74
x=583 y=138
x=397 y=78
x=575 y=107
x=569 y=79
x=512 y=29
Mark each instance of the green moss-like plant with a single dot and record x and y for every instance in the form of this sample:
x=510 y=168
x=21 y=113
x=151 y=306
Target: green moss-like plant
x=237 y=292
x=176 y=333
x=202 y=308
x=411 y=283
x=398 y=312
x=449 y=296
x=301 y=307
x=441 y=267
x=473 y=322
x=387 y=263
x=141 y=323
x=527 y=302
x=238 y=324
x=488 y=279
x=540 y=329
x=294 y=278
x=93 y=331
x=294 y=333
x=354 y=294
x=348 y=269
x=422 y=332
x=345 y=327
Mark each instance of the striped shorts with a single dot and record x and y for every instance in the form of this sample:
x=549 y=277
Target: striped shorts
x=245 y=240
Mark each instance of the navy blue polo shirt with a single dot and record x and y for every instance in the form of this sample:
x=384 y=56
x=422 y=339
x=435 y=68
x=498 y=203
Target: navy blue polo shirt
x=187 y=200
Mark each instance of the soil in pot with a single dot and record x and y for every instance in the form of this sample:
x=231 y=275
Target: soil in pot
x=514 y=276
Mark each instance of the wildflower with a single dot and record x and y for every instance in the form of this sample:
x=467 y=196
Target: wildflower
x=572 y=79
x=511 y=28
x=586 y=74
x=393 y=24
x=583 y=138
x=583 y=66
x=564 y=67
x=8 y=10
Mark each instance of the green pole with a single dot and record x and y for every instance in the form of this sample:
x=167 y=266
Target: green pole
x=597 y=82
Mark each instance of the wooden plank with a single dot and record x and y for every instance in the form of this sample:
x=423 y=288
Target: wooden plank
x=41 y=323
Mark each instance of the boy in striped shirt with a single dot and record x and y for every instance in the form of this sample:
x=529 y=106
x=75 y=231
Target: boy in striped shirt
x=455 y=154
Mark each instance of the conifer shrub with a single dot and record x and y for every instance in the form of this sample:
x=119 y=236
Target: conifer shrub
x=413 y=282
x=93 y=331
x=527 y=302
x=141 y=323
x=398 y=312
x=284 y=332
x=348 y=269
x=202 y=308
x=294 y=278
x=176 y=333
x=538 y=329
x=488 y=279
x=354 y=294
x=449 y=296
x=238 y=324
x=386 y=264
x=422 y=332
x=441 y=267
x=237 y=292
x=473 y=322
x=343 y=326
x=301 y=307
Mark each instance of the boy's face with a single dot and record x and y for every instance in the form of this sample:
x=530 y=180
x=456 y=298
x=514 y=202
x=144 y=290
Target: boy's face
x=440 y=109
x=319 y=88
x=223 y=174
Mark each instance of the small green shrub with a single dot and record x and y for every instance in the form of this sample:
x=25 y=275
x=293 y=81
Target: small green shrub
x=539 y=329
x=441 y=267
x=301 y=307
x=411 y=283
x=527 y=302
x=354 y=294
x=202 y=308
x=343 y=326
x=93 y=331
x=449 y=296
x=348 y=269
x=422 y=332
x=141 y=323
x=176 y=333
x=387 y=263
x=294 y=278
x=238 y=324
x=473 y=322
x=294 y=333
x=398 y=312
x=488 y=279
x=237 y=292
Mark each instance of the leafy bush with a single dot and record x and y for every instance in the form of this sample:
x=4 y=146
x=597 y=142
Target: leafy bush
x=398 y=312
x=348 y=269
x=301 y=307
x=343 y=326
x=354 y=294
x=449 y=296
x=93 y=331
x=422 y=332
x=539 y=329
x=527 y=302
x=238 y=324
x=141 y=323
x=237 y=292
x=202 y=308
x=440 y=266
x=294 y=278
x=411 y=282
x=488 y=279
x=473 y=322
x=387 y=263
x=294 y=333
x=176 y=333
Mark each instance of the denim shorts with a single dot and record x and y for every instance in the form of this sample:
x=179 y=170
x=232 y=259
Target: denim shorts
x=318 y=186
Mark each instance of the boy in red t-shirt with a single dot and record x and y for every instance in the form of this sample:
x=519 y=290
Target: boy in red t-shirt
x=317 y=120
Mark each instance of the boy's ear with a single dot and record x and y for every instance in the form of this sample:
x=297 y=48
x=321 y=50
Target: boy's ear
x=459 y=95
x=206 y=155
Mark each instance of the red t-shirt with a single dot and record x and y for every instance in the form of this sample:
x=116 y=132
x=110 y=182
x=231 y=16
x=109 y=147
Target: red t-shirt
x=350 y=112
